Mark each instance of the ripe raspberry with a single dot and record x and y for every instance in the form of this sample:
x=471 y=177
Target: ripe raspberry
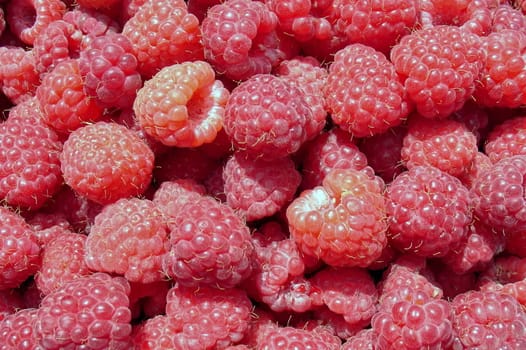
x=62 y=261
x=507 y=139
x=106 y=161
x=475 y=117
x=18 y=331
x=183 y=163
x=163 y=33
x=30 y=166
x=46 y=235
x=428 y=211
x=18 y=73
x=274 y=338
x=109 y=69
x=182 y=105
x=444 y=144
x=257 y=188
x=156 y=333
x=363 y=93
x=502 y=79
x=239 y=48
x=342 y=221
x=129 y=237
x=505 y=16
x=27 y=109
x=10 y=301
x=90 y=23
x=28 y=18
x=488 y=319
x=480 y=163
x=363 y=340
x=209 y=245
x=266 y=116
x=91 y=312
x=171 y=196
x=499 y=195
x=212 y=318
x=63 y=100
x=506 y=269
x=439 y=66
x=515 y=289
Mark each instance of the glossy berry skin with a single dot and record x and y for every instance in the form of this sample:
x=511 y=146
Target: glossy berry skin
x=274 y=338
x=507 y=139
x=18 y=332
x=91 y=161
x=19 y=77
x=342 y=221
x=428 y=211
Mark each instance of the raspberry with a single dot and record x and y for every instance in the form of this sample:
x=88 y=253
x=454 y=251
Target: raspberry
x=18 y=331
x=439 y=66
x=10 y=301
x=163 y=33
x=171 y=196
x=274 y=337
x=183 y=163
x=505 y=16
x=266 y=116
x=502 y=78
x=62 y=261
x=46 y=235
x=444 y=144
x=63 y=100
x=109 y=69
x=28 y=18
x=507 y=139
x=363 y=340
x=488 y=319
x=428 y=211
x=212 y=318
x=30 y=166
x=91 y=311
x=341 y=222
x=475 y=117
x=240 y=39
x=182 y=105
x=363 y=92
x=506 y=269
x=209 y=245
x=129 y=237
x=27 y=109
x=106 y=161
x=258 y=188
x=498 y=195
x=158 y=332
x=18 y=73
x=90 y=23
x=480 y=163
x=515 y=289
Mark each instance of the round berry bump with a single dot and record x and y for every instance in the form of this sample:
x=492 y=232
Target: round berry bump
x=129 y=237
x=183 y=105
x=364 y=94
x=63 y=100
x=89 y=312
x=209 y=245
x=274 y=337
x=172 y=195
x=163 y=33
x=444 y=144
x=18 y=332
x=266 y=116
x=363 y=340
x=106 y=161
x=90 y=23
x=507 y=139
x=29 y=163
x=439 y=66
x=19 y=77
x=505 y=16
x=109 y=68
x=28 y=18
x=258 y=188
x=428 y=210
x=499 y=195
x=341 y=222
x=158 y=332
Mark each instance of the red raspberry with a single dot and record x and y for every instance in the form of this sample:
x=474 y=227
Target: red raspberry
x=507 y=139
x=109 y=69
x=210 y=318
x=505 y=16
x=428 y=211
x=439 y=66
x=10 y=301
x=63 y=100
x=266 y=116
x=90 y=311
x=330 y=150
x=62 y=261
x=156 y=333
x=379 y=24
x=129 y=237
x=488 y=319
x=480 y=163
x=363 y=340
x=363 y=92
x=30 y=166
x=499 y=195
x=27 y=109
x=209 y=245
x=257 y=188
x=274 y=338
x=28 y=18
x=18 y=73
x=163 y=33
x=171 y=196
x=198 y=7
x=18 y=331
x=182 y=105
x=46 y=235
x=239 y=48
x=341 y=222
x=515 y=289
x=90 y=23
x=444 y=144
x=106 y=161
x=475 y=117
x=506 y=269
x=502 y=79
x=183 y=163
